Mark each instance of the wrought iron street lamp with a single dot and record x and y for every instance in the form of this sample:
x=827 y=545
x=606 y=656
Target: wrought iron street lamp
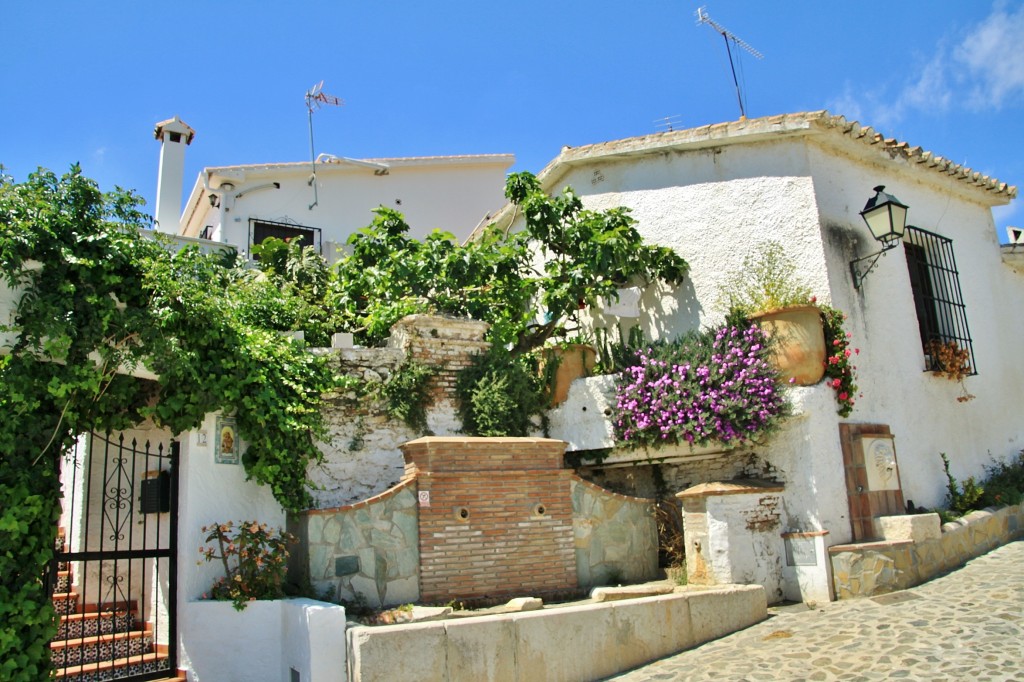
x=886 y=217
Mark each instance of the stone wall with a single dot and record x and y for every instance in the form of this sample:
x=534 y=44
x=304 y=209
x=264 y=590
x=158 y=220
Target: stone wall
x=664 y=479
x=571 y=643
x=368 y=551
x=616 y=536
x=871 y=568
x=361 y=453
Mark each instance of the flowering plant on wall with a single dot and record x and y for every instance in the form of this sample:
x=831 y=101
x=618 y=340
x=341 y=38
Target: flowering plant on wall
x=253 y=557
x=713 y=386
x=840 y=372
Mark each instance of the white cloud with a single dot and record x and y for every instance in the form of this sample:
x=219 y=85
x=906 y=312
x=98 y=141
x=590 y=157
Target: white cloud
x=984 y=69
x=932 y=90
x=991 y=59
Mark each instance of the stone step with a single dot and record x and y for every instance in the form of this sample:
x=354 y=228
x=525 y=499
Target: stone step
x=81 y=650
x=121 y=667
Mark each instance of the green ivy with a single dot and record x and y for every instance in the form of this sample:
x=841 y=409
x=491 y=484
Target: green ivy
x=407 y=394
x=99 y=298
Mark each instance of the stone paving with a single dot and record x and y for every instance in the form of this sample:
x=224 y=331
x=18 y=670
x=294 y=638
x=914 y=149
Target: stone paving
x=966 y=625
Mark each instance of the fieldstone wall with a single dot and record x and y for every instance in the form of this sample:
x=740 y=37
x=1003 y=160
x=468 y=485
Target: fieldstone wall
x=616 y=536
x=654 y=479
x=361 y=453
x=366 y=551
x=872 y=568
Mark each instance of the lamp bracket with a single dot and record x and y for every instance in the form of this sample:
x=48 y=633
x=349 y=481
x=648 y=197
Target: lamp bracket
x=858 y=275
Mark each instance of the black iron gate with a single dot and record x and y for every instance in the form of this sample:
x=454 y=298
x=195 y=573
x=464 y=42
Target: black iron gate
x=114 y=573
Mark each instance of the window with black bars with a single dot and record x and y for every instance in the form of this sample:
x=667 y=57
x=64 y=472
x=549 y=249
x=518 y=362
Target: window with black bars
x=263 y=229
x=935 y=283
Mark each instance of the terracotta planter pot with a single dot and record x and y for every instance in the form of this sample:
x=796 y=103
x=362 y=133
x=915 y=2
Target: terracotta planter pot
x=574 y=362
x=798 y=342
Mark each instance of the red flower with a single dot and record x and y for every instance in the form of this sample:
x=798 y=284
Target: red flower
x=844 y=395
x=836 y=383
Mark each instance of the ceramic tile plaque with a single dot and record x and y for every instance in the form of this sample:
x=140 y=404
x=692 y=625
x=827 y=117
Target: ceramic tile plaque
x=880 y=462
x=226 y=445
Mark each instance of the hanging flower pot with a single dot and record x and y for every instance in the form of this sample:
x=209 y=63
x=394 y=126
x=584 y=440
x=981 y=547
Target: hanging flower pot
x=798 y=342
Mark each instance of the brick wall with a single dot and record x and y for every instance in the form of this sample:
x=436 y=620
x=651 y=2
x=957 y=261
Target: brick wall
x=495 y=516
x=443 y=343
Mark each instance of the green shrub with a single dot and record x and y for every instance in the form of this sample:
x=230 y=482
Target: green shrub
x=1004 y=483
x=500 y=394
x=960 y=498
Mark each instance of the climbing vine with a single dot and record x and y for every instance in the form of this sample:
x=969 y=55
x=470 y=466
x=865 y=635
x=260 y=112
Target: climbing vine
x=97 y=298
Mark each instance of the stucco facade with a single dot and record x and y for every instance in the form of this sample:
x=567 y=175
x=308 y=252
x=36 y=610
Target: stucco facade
x=451 y=193
x=715 y=194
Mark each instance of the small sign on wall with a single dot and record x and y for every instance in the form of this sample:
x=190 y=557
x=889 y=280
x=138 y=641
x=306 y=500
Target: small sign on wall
x=226 y=445
x=424 y=498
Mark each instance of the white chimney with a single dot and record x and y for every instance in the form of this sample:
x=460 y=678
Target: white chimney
x=174 y=135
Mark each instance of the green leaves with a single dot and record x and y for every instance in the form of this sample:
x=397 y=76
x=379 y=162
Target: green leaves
x=566 y=254
x=101 y=295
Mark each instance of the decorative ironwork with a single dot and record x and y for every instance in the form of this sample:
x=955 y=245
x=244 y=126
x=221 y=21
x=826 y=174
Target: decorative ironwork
x=115 y=567
x=935 y=283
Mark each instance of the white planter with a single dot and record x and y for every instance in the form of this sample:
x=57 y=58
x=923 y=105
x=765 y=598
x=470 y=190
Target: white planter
x=263 y=642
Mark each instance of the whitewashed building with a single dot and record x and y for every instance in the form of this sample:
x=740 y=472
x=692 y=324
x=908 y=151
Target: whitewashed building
x=322 y=203
x=714 y=194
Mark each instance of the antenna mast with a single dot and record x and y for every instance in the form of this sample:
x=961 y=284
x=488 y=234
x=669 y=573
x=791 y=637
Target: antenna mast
x=316 y=98
x=727 y=35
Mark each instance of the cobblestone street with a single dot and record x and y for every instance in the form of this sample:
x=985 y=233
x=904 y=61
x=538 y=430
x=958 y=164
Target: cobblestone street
x=967 y=625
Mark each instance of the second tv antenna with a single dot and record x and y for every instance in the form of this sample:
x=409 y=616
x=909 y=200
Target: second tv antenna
x=727 y=35
x=316 y=98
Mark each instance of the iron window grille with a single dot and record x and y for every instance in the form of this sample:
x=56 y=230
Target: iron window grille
x=264 y=229
x=938 y=300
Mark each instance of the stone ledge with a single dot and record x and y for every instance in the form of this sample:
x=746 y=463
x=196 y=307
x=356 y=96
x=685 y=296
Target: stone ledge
x=873 y=568
x=590 y=641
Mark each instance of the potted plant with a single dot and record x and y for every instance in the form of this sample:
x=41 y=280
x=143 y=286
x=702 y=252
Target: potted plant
x=767 y=292
x=948 y=359
x=254 y=559
x=575 y=360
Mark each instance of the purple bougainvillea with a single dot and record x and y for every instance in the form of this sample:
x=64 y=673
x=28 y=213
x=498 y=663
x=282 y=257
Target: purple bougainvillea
x=715 y=386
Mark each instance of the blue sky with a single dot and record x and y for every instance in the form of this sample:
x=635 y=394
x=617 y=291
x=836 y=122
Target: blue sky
x=85 y=81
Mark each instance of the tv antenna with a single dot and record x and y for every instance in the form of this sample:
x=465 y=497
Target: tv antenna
x=316 y=98
x=727 y=35
x=667 y=124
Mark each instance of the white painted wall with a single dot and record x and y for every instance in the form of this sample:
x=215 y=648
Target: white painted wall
x=714 y=204
x=212 y=493
x=921 y=408
x=449 y=194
